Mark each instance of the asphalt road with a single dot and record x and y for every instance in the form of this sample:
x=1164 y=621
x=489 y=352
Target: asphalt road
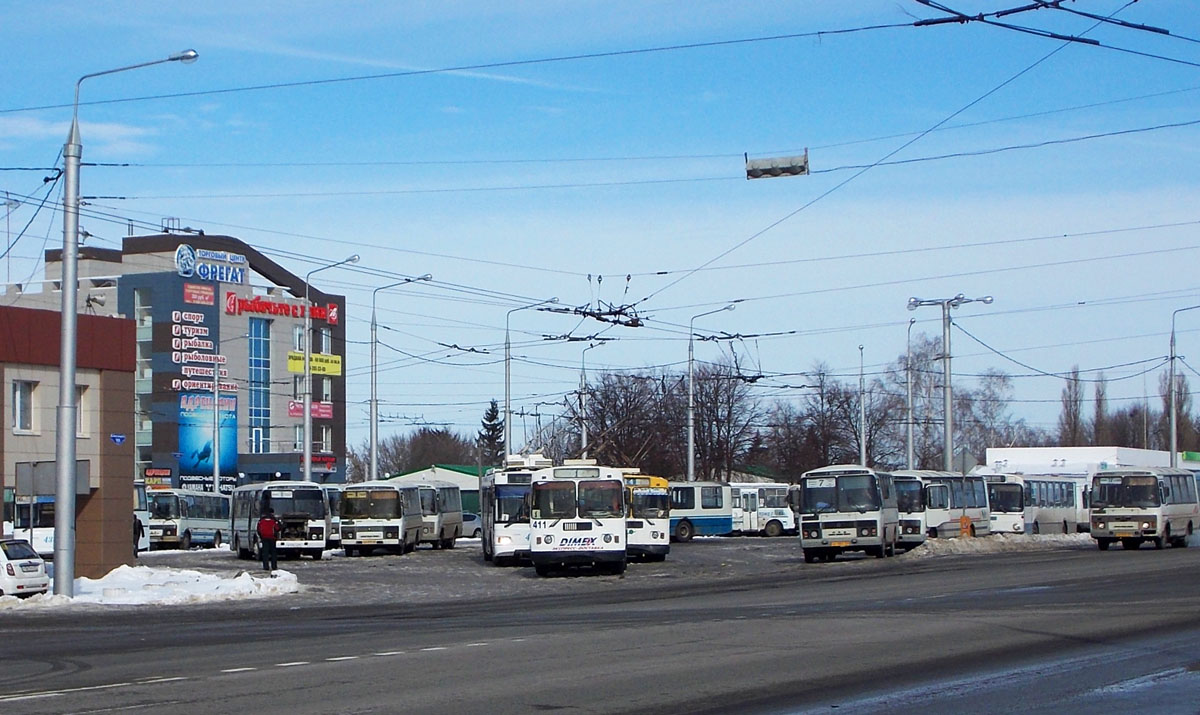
x=725 y=625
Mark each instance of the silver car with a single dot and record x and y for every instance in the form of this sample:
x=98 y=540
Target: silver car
x=22 y=571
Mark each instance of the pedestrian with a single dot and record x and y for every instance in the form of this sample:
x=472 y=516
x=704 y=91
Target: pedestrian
x=269 y=529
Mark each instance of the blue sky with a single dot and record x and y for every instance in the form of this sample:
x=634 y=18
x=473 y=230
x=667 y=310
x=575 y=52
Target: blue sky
x=525 y=179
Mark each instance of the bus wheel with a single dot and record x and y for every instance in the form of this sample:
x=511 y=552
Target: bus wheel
x=448 y=543
x=810 y=557
x=185 y=542
x=1065 y=527
x=1037 y=528
x=216 y=543
x=316 y=554
x=487 y=553
x=1158 y=542
x=541 y=569
x=1103 y=544
x=684 y=531
x=774 y=528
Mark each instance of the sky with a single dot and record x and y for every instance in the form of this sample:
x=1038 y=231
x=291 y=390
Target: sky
x=594 y=152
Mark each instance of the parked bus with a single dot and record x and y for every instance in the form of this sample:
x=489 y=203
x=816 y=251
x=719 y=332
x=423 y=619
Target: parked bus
x=648 y=527
x=141 y=519
x=761 y=508
x=441 y=507
x=846 y=508
x=1031 y=504
x=910 y=503
x=301 y=507
x=505 y=515
x=955 y=504
x=380 y=514
x=333 y=495
x=700 y=509
x=1137 y=504
x=577 y=518
x=181 y=519
x=35 y=523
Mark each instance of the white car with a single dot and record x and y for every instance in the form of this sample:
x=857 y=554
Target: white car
x=472 y=525
x=22 y=571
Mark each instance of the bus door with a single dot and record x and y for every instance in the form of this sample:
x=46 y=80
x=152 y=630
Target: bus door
x=750 y=512
x=937 y=511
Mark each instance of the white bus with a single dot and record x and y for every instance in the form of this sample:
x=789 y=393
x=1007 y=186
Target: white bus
x=181 y=519
x=333 y=496
x=380 y=515
x=648 y=527
x=1031 y=504
x=441 y=508
x=141 y=519
x=843 y=508
x=505 y=515
x=955 y=504
x=1136 y=504
x=761 y=508
x=35 y=523
x=700 y=509
x=577 y=518
x=910 y=503
x=302 y=507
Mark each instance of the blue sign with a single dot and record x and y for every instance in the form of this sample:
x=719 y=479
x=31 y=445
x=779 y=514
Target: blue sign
x=117 y=438
x=196 y=434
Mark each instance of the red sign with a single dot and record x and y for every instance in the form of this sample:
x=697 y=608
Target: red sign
x=199 y=294
x=322 y=462
x=157 y=472
x=236 y=306
x=319 y=410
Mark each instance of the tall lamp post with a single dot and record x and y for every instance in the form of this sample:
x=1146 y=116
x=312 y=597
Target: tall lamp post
x=308 y=364
x=908 y=381
x=947 y=395
x=691 y=410
x=583 y=443
x=862 y=412
x=374 y=370
x=64 y=452
x=508 y=373
x=1171 y=387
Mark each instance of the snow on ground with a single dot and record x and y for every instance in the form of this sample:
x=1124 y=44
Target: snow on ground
x=145 y=585
x=1001 y=543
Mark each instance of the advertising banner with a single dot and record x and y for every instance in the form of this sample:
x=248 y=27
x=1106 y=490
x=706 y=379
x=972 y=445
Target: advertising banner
x=196 y=434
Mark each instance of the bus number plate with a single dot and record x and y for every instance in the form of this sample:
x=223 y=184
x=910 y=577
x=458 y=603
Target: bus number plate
x=839 y=543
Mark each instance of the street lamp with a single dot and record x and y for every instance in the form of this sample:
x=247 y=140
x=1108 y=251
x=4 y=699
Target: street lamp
x=374 y=369
x=691 y=413
x=947 y=396
x=862 y=412
x=308 y=364
x=583 y=399
x=64 y=452
x=508 y=374
x=1171 y=387
x=908 y=382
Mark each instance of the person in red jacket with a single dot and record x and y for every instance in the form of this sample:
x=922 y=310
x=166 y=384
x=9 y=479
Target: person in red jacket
x=269 y=529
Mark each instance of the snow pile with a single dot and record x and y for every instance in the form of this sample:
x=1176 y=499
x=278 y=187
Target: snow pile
x=145 y=585
x=1001 y=543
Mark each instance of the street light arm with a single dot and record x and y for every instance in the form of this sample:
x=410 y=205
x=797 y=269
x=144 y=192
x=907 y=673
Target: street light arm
x=186 y=57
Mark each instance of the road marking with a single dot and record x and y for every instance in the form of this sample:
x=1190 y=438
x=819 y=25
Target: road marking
x=436 y=647
x=343 y=657
x=238 y=670
x=160 y=680
x=391 y=652
x=54 y=693
x=475 y=645
x=289 y=665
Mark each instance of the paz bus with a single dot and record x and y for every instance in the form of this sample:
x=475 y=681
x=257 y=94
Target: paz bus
x=441 y=509
x=910 y=503
x=1031 y=504
x=380 y=514
x=181 y=518
x=761 y=508
x=955 y=504
x=301 y=507
x=1137 y=504
x=700 y=508
x=843 y=508
x=577 y=518
x=648 y=527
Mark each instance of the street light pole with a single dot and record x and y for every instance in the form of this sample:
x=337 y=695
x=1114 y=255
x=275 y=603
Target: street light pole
x=64 y=453
x=908 y=380
x=1171 y=387
x=862 y=412
x=508 y=374
x=374 y=473
x=307 y=467
x=947 y=395
x=583 y=443
x=691 y=411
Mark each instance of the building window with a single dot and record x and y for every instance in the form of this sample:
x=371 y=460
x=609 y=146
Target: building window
x=298 y=338
x=297 y=387
x=80 y=411
x=326 y=341
x=326 y=389
x=22 y=410
x=260 y=385
x=298 y=442
x=326 y=438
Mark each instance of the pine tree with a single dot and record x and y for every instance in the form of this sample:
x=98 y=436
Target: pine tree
x=491 y=437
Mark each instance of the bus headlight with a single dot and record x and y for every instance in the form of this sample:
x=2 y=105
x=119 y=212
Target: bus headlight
x=503 y=539
x=608 y=538
x=391 y=534
x=1099 y=524
x=347 y=534
x=547 y=540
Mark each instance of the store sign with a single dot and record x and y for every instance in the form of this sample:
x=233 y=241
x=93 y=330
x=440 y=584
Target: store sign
x=199 y=294
x=235 y=305
x=319 y=410
x=321 y=462
x=318 y=363
x=208 y=265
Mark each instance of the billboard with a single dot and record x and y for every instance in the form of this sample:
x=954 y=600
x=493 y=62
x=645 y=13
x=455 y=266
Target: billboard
x=196 y=434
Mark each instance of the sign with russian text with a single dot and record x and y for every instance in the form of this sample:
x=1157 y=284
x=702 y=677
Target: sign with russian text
x=319 y=410
x=318 y=363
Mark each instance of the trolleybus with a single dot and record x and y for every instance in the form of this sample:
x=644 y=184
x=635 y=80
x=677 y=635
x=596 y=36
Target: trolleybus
x=700 y=509
x=1137 y=504
x=761 y=508
x=380 y=514
x=577 y=518
x=301 y=507
x=846 y=508
x=648 y=528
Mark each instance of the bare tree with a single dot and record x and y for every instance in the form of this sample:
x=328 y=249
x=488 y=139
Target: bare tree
x=1071 y=428
x=1101 y=435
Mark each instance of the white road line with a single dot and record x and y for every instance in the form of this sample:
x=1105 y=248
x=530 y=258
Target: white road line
x=436 y=647
x=238 y=670
x=52 y=693
x=475 y=645
x=160 y=680
x=391 y=652
x=343 y=657
x=289 y=665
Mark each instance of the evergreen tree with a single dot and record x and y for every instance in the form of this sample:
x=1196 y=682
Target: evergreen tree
x=491 y=437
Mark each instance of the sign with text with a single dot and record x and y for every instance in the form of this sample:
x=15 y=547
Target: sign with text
x=318 y=363
x=319 y=410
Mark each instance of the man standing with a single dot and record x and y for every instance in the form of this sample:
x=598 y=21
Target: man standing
x=269 y=529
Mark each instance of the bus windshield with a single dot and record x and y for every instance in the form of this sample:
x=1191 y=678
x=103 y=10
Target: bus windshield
x=164 y=506
x=846 y=493
x=371 y=504
x=650 y=503
x=554 y=500
x=1006 y=498
x=1139 y=492
x=601 y=499
x=296 y=501
x=910 y=498
x=510 y=503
